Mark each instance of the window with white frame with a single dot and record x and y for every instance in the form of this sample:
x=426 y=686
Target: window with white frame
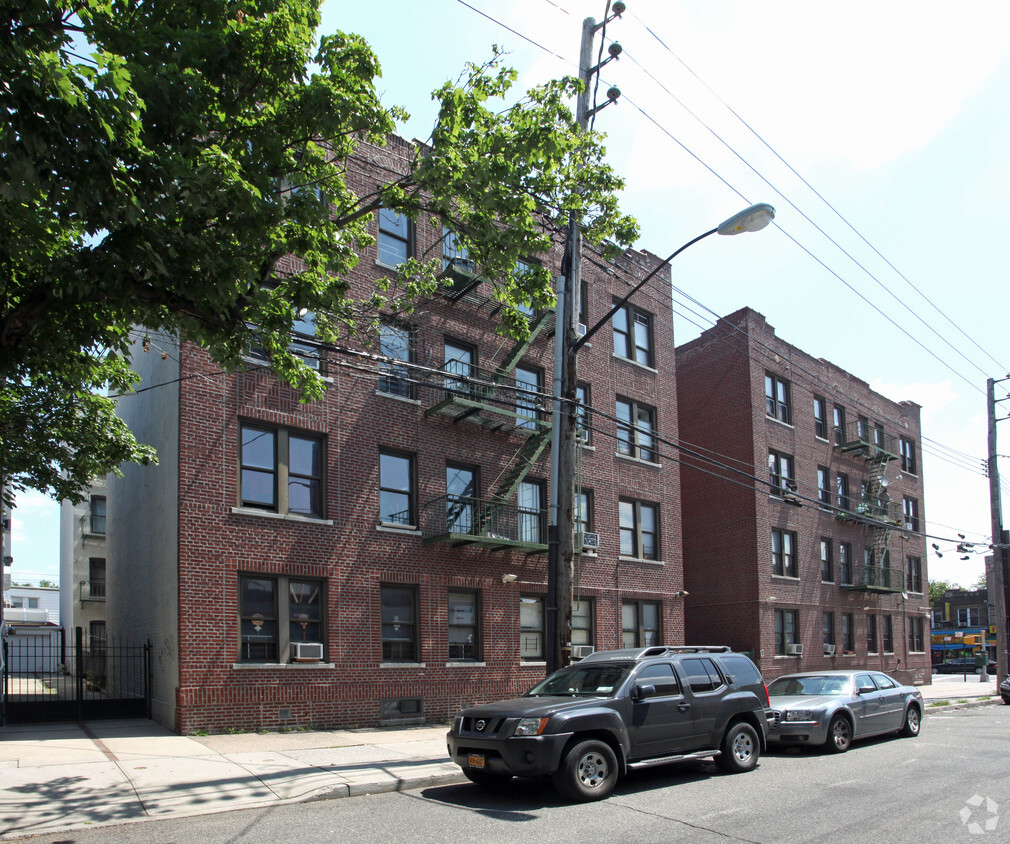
x=636 y=426
x=639 y=529
x=633 y=334
x=531 y=627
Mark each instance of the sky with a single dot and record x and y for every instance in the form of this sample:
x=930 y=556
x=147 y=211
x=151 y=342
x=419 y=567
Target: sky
x=878 y=132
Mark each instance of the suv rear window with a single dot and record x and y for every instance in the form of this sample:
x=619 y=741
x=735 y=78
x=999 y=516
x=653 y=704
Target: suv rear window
x=742 y=671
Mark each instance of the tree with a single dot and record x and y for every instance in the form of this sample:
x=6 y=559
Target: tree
x=937 y=588
x=157 y=161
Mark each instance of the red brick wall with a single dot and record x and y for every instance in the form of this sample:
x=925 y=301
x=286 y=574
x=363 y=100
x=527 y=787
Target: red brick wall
x=354 y=558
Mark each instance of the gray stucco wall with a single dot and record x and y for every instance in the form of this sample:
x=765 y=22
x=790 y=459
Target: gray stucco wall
x=143 y=525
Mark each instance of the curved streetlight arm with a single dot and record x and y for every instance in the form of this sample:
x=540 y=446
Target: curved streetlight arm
x=750 y=219
x=585 y=337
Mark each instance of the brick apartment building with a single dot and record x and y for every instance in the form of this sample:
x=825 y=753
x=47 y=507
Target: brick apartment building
x=802 y=508
x=379 y=556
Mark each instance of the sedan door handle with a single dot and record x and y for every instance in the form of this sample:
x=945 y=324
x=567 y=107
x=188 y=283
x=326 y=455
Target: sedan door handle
x=683 y=707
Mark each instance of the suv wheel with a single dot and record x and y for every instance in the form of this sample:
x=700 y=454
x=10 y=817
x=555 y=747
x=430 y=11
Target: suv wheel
x=740 y=749
x=839 y=735
x=588 y=772
x=486 y=779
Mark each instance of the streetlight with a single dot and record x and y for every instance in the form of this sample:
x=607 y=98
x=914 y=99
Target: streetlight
x=565 y=443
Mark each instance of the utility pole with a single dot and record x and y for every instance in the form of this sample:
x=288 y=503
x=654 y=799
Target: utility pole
x=565 y=442
x=999 y=539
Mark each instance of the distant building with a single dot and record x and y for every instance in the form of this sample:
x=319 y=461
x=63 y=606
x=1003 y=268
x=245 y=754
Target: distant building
x=82 y=565
x=31 y=628
x=803 y=508
x=961 y=621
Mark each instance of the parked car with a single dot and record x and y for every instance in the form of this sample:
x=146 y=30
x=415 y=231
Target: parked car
x=831 y=708
x=587 y=724
x=962 y=665
x=1004 y=690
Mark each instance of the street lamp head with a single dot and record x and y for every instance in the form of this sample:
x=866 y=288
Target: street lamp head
x=750 y=219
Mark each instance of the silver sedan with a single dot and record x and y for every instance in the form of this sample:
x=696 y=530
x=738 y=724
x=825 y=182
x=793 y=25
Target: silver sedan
x=831 y=708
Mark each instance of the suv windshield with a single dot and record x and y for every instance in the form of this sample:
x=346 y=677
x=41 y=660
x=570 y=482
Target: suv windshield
x=583 y=680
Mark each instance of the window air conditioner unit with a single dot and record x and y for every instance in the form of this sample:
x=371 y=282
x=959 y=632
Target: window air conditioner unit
x=581 y=329
x=795 y=649
x=581 y=651
x=591 y=541
x=307 y=651
x=829 y=650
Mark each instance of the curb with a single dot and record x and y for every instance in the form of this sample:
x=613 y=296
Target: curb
x=955 y=705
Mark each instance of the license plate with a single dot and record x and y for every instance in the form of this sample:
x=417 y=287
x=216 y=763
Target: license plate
x=473 y=761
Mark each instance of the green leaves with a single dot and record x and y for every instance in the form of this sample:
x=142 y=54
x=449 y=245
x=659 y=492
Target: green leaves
x=157 y=161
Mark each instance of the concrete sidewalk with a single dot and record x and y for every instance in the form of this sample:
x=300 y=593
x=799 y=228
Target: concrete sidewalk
x=62 y=776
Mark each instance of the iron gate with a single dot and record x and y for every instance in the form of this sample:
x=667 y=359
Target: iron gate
x=45 y=679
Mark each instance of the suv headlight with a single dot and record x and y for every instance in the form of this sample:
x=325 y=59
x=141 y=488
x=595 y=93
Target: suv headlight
x=531 y=726
x=799 y=715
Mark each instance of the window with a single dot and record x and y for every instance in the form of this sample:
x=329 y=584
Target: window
x=871 y=634
x=842 y=488
x=780 y=468
x=878 y=435
x=396 y=342
x=823 y=485
x=701 y=674
x=907 y=449
x=96 y=577
x=640 y=624
x=660 y=675
x=913 y=574
x=915 y=637
x=777 y=398
x=522 y=268
x=529 y=383
x=888 y=634
x=582 y=622
x=276 y=613
x=282 y=471
x=460 y=498
x=845 y=563
x=395 y=233
x=820 y=417
x=21 y=602
x=910 y=509
x=531 y=512
x=862 y=429
x=464 y=642
x=531 y=627
x=787 y=627
x=97 y=638
x=584 y=514
x=938 y=619
x=784 y=553
x=828 y=628
x=838 y=421
x=827 y=561
x=397 y=491
x=455 y=255
x=399 y=623
x=460 y=362
x=309 y=352
x=584 y=426
x=633 y=335
x=639 y=527
x=848 y=633
x=966 y=616
x=96 y=522
x=636 y=425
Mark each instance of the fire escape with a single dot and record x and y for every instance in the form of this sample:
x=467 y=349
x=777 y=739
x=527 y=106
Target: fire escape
x=495 y=400
x=874 y=508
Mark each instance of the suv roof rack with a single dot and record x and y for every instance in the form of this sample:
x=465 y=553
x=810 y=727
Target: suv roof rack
x=654 y=651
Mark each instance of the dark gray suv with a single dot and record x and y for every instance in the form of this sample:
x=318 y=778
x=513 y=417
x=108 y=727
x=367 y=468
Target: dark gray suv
x=588 y=724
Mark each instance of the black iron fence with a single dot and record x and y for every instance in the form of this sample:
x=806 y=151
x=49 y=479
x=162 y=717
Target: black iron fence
x=45 y=678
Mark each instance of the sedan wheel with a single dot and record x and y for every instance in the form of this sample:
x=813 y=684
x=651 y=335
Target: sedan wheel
x=839 y=735
x=913 y=722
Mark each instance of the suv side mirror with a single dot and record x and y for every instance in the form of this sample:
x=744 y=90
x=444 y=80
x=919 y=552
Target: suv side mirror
x=640 y=692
